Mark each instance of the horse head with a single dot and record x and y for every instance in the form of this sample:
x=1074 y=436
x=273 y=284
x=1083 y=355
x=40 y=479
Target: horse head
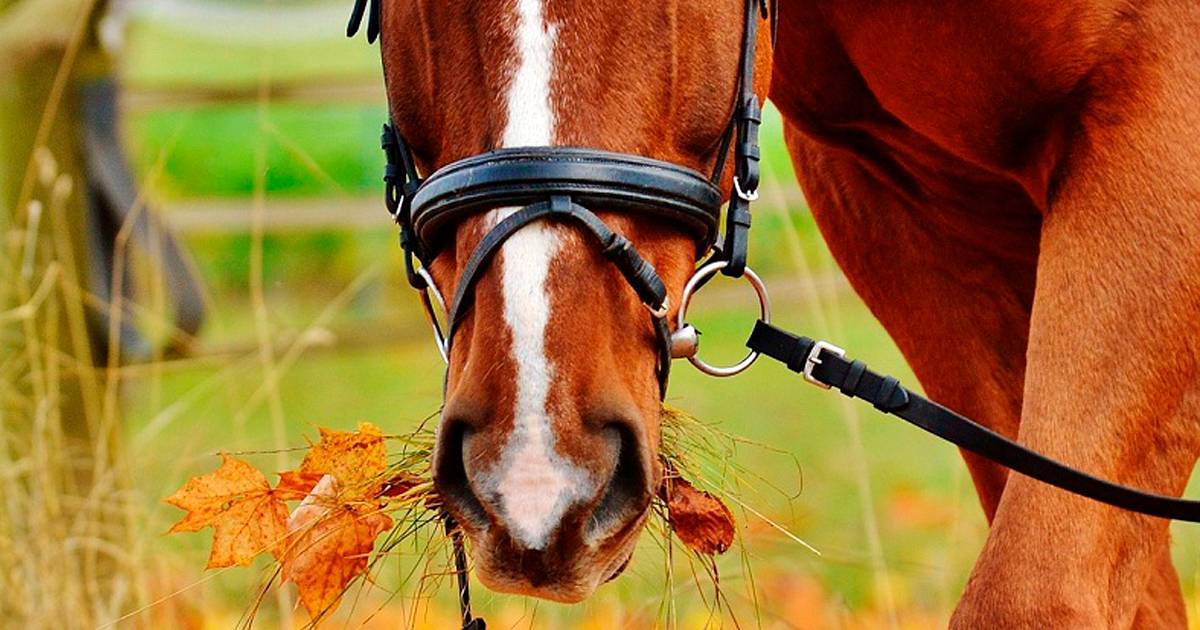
x=547 y=451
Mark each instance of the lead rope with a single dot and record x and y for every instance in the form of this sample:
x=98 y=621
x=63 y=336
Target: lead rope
x=400 y=183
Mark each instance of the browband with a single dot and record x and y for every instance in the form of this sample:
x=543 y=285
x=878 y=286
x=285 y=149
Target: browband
x=589 y=177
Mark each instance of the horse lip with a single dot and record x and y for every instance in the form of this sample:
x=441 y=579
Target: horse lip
x=621 y=567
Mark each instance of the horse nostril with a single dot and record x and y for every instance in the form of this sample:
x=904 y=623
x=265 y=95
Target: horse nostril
x=450 y=476
x=627 y=493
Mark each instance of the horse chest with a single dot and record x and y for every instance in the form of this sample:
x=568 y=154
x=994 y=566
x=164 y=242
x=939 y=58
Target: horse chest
x=975 y=91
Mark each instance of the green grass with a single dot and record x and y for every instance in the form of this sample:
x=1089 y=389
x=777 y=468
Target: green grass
x=310 y=151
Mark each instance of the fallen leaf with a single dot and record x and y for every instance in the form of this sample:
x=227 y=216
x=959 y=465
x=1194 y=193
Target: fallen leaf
x=400 y=484
x=356 y=459
x=700 y=520
x=295 y=485
x=247 y=516
x=331 y=546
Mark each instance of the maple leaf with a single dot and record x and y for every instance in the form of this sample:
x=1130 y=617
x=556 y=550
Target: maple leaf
x=701 y=521
x=295 y=485
x=331 y=546
x=356 y=459
x=246 y=515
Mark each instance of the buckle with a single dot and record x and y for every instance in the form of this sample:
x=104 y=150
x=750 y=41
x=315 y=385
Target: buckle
x=814 y=359
x=744 y=195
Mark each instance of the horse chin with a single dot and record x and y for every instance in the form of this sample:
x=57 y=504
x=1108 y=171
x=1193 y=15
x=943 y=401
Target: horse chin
x=504 y=570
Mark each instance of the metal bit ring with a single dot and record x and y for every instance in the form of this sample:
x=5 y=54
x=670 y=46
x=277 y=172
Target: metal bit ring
x=692 y=352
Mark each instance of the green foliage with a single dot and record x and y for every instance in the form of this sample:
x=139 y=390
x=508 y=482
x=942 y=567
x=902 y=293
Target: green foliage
x=212 y=151
x=165 y=56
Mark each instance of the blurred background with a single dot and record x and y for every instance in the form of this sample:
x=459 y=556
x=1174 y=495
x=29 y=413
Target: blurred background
x=196 y=258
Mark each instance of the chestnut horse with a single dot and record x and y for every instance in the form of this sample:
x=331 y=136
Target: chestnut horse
x=1012 y=187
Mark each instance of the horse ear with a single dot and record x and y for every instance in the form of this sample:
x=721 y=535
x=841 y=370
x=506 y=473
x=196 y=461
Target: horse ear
x=774 y=15
x=356 y=16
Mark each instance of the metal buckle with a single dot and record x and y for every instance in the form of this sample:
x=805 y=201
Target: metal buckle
x=743 y=195
x=685 y=341
x=439 y=337
x=814 y=359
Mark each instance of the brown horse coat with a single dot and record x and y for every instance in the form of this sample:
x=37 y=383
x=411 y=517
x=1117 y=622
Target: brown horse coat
x=1014 y=189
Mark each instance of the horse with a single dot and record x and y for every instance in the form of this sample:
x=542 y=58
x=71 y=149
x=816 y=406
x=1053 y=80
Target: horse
x=1011 y=187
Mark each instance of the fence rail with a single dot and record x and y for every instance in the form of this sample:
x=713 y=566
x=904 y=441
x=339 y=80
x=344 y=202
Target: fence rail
x=136 y=99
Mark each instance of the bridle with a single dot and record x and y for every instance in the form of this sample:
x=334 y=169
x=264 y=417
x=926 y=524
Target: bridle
x=562 y=183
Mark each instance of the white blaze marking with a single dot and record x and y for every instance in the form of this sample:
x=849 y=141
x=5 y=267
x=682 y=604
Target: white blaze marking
x=534 y=484
x=530 y=115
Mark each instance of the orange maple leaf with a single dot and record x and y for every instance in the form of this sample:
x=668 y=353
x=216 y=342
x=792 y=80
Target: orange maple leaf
x=295 y=485
x=331 y=546
x=356 y=459
x=701 y=521
x=246 y=515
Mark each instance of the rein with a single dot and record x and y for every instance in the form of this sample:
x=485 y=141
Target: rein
x=825 y=365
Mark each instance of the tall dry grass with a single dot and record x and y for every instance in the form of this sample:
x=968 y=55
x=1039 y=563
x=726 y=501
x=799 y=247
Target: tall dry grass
x=67 y=559
x=68 y=556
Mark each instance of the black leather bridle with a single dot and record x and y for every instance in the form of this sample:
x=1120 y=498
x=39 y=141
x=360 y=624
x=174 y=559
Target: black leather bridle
x=564 y=183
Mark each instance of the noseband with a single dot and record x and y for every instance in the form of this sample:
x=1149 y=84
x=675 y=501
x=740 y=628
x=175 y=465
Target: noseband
x=564 y=184
x=553 y=183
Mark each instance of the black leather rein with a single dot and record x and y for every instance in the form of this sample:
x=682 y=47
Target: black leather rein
x=826 y=365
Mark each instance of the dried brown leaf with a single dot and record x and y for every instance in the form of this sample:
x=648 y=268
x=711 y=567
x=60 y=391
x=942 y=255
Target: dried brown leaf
x=701 y=521
x=356 y=459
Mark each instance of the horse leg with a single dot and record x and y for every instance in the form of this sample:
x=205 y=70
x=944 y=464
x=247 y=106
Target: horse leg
x=1114 y=346
x=956 y=306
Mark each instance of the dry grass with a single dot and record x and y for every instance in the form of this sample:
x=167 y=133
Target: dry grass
x=66 y=557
